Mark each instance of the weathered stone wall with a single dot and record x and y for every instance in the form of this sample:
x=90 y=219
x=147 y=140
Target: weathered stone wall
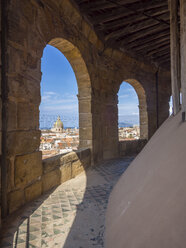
x=0 y=102
x=131 y=147
x=34 y=180
x=33 y=25
x=164 y=93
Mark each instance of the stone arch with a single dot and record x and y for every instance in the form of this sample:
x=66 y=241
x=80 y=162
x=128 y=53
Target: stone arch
x=79 y=67
x=143 y=114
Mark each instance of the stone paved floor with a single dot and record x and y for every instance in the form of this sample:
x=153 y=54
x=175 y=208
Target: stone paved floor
x=71 y=216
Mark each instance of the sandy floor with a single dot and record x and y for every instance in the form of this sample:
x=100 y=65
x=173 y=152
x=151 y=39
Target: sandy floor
x=70 y=216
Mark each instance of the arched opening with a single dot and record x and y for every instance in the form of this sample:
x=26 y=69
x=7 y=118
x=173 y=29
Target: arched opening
x=128 y=113
x=59 y=120
x=170 y=106
x=137 y=107
x=84 y=118
x=171 y=103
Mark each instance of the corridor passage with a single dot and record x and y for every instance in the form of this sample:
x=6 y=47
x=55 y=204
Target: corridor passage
x=70 y=216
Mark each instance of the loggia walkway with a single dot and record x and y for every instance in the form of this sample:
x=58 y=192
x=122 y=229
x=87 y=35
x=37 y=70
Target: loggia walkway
x=70 y=216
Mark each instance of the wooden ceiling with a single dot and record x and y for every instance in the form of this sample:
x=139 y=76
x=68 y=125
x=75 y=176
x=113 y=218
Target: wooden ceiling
x=138 y=27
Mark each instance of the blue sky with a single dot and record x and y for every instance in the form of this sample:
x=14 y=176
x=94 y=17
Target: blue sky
x=59 y=89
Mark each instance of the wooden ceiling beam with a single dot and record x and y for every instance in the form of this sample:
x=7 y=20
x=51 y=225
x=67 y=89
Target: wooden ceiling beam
x=102 y=4
x=148 y=23
x=130 y=19
x=109 y=16
x=120 y=22
x=122 y=10
x=141 y=34
x=157 y=11
x=162 y=57
x=145 y=45
x=149 y=38
x=158 y=49
x=164 y=54
x=164 y=61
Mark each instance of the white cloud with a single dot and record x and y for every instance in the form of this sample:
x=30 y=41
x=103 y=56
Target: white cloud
x=124 y=96
x=56 y=109
x=50 y=93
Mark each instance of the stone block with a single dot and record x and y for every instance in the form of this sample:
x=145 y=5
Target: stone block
x=22 y=142
x=33 y=191
x=66 y=172
x=108 y=52
x=85 y=120
x=0 y=142
x=30 y=118
x=86 y=162
x=77 y=168
x=51 y=180
x=85 y=92
x=0 y=108
x=85 y=28
x=85 y=133
x=50 y=164
x=69 y=157
x=10 y=174
x=24 y=89
x=93 y=37
x=85 y=106
x=85 y=153
x=27 y=168
x=11 y=116
x=85 y=143
x=117 y=54
x=15 y=200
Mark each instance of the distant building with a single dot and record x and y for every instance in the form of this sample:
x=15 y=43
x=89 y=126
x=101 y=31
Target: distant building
x=58 y=126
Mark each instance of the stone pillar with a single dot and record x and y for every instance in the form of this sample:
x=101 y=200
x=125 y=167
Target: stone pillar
x=175 y=55
x=3 y=79
x=183 y=53
x=0 y=106
x=110 y=125
x=85 y=122
x=152 y=110
x=23 y=158
x=164 y=80
x=143 y=120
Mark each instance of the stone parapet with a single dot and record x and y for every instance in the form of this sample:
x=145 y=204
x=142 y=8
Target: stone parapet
x=33 y=179
x=131 y=147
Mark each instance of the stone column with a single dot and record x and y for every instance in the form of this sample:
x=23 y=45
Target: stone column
x=143 y=120
x=85 y=122
x=110 y=125
x=0 y=106
x=183 y=54
x=175 y=55
x=164 y=95
x=23 y=158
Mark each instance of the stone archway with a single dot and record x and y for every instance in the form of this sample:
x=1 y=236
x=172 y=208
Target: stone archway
x=74 y=57
x=24 y=160
x=143 y=115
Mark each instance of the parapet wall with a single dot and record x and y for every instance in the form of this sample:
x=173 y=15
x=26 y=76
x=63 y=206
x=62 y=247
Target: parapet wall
x=33 y=180
x=131 y=147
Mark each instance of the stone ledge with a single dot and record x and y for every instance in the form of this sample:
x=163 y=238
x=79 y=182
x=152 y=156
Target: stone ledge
x=131 y=147
x=63 y=167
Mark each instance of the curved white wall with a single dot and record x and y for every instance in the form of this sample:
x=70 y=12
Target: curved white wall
x=147 y=208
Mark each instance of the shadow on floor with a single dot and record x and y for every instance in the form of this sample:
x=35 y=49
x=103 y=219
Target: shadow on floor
x=70 y=216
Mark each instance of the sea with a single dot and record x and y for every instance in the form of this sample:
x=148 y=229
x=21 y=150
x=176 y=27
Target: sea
x=72 y=121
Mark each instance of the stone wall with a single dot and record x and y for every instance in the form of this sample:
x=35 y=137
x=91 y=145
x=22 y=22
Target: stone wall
x=131 y=147
x=32 y=180
x=0 y=102
x=99 y=72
